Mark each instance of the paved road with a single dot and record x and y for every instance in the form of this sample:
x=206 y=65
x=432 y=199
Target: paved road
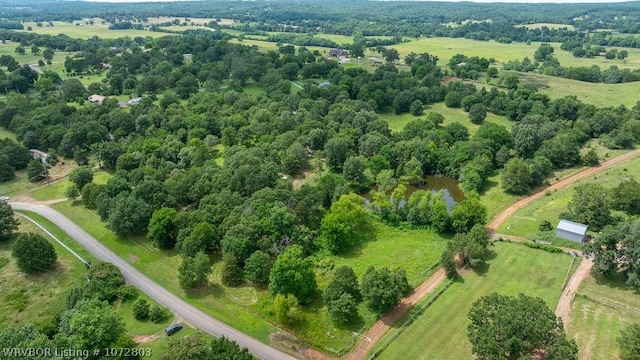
x=179 y=307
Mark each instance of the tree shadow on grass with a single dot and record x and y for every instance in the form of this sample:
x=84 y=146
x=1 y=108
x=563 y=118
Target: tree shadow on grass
x=211 y=289
x=617 y=282
x=482 y=267
x=489 y=184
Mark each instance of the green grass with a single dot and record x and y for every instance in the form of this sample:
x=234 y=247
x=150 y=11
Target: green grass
x=35 y=298
x=56 y=190
x=525 y=221
x=441 y=331
x=493 y=197
x=162 y=267
x=254 y=89
x=598 y=94
x=6 y=134
x=600 y=310
x=397 y=122
x=548 y=25
x=415 y=250
x=84 y=31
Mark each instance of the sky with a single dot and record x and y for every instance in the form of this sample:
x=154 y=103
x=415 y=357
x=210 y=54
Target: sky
x=480 y=1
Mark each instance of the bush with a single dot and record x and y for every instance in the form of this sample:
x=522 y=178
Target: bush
x=141 y=309
x=33 y=253
x=127 y=292
x=157 y=314
x=545 y=247
x=545 y=225
x=286 y=308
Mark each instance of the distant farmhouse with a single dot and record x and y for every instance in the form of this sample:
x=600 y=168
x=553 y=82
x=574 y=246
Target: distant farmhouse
x=96 y=99
x=338 y=53
x=41 y=155
x=572 y=231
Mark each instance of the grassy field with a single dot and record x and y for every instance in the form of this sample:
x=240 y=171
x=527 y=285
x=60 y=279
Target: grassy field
x=57 y=189
x=6 y=134
x=598 y=94
x=441 y=330
x=600 y=310
x=35 y=298
x=81 y=29
x=417 y=251
x=397 y=122
x=525 y=221
x=548 y=25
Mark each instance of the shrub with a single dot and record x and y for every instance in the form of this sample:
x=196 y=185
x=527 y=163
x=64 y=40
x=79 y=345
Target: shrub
x=141 y=309
x=33 y=253
x=545 y=247
x=545 y=225
x=127 y=292
x=157 y=314
x=231 y=272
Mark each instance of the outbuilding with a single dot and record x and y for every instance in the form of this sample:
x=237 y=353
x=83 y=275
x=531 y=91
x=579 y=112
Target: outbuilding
x=572 y=231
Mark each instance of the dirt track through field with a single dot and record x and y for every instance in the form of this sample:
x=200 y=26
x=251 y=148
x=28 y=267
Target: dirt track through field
x=377 y=331
x=569 y=292
x=503 y=216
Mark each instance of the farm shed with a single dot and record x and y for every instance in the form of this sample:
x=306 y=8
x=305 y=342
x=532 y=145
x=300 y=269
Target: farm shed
x=570 y=230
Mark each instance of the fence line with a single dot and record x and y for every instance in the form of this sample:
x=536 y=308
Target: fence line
x=54 y=238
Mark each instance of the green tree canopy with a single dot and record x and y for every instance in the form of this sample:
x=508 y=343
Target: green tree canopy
x=516 y=177
x=33 y=253
x=91 y=324
x=382 y=288
x=194 y=271
x=8 y=222
x=293 y=274
x=591 y=205
x=506 y=327
x=346 y=225
x=162 y=228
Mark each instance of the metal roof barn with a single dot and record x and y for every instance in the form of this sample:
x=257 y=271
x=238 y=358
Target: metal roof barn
x=572 y=231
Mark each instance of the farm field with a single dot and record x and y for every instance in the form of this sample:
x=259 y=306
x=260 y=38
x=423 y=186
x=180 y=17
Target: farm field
x=441 y=330
x=81 y=29
x=600 y=310
x=548 y=25
x=598 y=94
x=525 y=221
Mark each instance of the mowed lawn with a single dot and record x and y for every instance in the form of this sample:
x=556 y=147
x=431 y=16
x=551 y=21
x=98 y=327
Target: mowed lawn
x=441 y=331
x=35 y=298
x=397 y=122
x=57 y=189
x=600 y=310
x=525 y=221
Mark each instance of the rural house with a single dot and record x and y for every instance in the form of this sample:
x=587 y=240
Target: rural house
x=572 y=231
x=96 y=99
x=339 y=53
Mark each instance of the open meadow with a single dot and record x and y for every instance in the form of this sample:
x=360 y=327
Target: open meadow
x=440 y=332
x=600 y=310
x=83 y=29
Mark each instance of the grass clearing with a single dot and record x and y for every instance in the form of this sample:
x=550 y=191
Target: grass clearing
x=525 y=221
x=35 y=298
x=600 y=310
x=548 y=25
x=398 y=121
x=441 y=330
x=6 y=134
x=56 y=190
x=417 y=251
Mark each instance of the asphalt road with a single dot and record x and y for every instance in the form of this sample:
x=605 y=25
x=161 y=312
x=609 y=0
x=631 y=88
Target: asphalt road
x=178 y=306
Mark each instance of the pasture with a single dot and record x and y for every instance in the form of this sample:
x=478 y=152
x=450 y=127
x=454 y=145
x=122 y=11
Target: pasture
x=83 y=29
x=602 y=308
x=525 y=221
x=36 y=298
x=441 y=330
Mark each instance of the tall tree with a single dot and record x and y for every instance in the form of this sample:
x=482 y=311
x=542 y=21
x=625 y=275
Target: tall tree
x=257 y=268
x=382 y=289
x=516 y=177
x=591 y=205
x=194 y=271
x=8 y=222
x=162 y=228
x=293 y=274
x=347 y=224
x=91 y=324
x=506 y=327
x=81 y=176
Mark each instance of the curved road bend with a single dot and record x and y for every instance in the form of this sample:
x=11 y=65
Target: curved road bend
x=178 y=306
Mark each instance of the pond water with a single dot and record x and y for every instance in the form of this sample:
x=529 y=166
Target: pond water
x=435 y=183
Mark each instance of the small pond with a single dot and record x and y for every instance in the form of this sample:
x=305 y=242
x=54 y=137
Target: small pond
x=435 y=183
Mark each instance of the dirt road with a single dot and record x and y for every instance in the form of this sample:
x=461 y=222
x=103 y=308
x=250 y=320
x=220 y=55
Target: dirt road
x=564 y=304
x=378 y=329
x=503 y=216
